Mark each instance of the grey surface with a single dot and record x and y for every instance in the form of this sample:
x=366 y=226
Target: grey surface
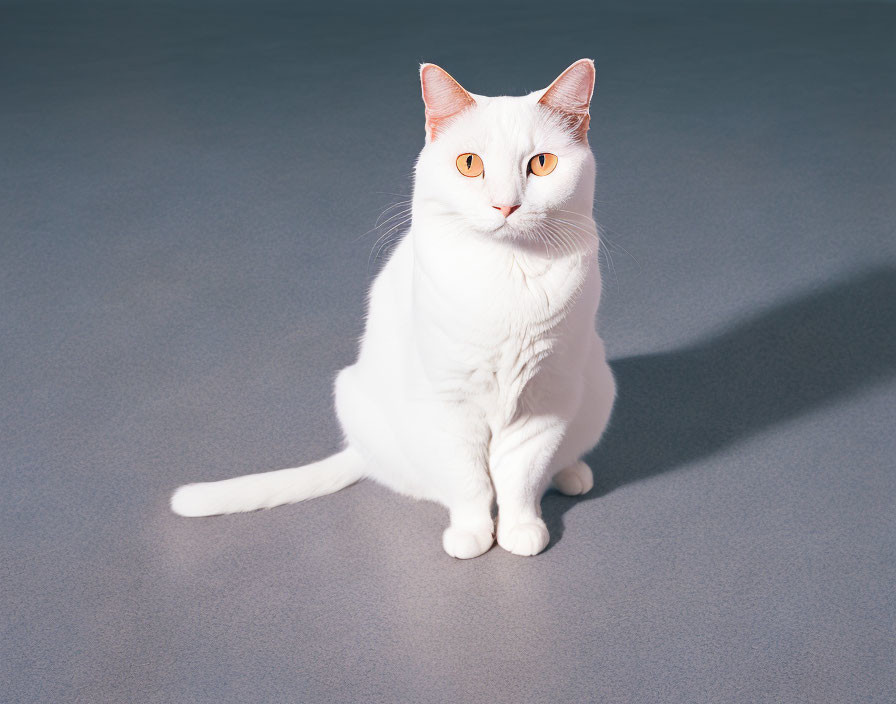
x=184 y=192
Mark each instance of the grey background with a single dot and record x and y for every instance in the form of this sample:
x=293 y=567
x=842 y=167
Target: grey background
x=184 y=195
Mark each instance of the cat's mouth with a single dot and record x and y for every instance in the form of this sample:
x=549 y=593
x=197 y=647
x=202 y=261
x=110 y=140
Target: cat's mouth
x=505 y=229
x=544 y=233
x=516 y=225
x=516 y=219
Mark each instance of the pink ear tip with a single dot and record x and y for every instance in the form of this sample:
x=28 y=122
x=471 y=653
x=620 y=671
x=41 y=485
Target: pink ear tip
x=430 y=67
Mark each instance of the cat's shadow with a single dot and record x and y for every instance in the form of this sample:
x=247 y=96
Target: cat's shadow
x=677 y=407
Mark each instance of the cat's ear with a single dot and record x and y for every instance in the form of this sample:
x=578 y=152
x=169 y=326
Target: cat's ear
x=443 y=97
x=570 y=95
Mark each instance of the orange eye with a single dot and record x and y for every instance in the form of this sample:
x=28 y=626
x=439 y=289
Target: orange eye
x=542 y=164
x=469 y=165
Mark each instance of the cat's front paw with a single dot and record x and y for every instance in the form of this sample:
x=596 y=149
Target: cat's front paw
x=464 y=544
x=574 y=480
x=528 y=538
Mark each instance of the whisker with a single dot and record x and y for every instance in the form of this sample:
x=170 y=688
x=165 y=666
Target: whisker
x=583 y=235
x=398 y=214
x=581 y=227
x=403 y=205
x=379 y=224
x=603 y=229
x=394 y=226
x=568 y=246
x=385 y=240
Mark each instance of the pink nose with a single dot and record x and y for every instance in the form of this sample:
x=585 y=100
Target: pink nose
x=506 y=209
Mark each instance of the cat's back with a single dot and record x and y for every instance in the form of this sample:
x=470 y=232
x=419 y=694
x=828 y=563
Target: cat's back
x=388 y=310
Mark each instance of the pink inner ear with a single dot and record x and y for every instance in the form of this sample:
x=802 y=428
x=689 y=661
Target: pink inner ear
x=570 y=94
x=443 y=96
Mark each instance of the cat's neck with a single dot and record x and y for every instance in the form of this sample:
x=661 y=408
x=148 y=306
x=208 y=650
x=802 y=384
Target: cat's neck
x=474 y=275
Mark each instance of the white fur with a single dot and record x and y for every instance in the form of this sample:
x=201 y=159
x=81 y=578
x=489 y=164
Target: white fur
x=480 y=375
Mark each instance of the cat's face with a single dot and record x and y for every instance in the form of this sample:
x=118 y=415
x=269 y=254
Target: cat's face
x=506 y=167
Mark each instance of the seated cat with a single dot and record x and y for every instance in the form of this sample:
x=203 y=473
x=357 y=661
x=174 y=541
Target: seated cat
x=480 y=378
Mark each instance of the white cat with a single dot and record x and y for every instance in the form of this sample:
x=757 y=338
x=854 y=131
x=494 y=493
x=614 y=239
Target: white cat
x=480 y=374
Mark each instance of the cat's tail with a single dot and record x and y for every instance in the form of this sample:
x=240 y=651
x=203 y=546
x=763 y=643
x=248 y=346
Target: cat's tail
x=283 y=486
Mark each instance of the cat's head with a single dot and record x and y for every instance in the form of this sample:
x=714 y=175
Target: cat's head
x=507 y=167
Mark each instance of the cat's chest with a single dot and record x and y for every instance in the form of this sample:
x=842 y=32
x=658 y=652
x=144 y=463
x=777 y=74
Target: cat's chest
x=494 y=294
x=505 y=366
x=488 y=333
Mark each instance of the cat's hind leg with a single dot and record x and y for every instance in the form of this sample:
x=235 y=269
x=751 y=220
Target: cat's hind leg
x=426 y=451
x=574 y=480
x=571 y=475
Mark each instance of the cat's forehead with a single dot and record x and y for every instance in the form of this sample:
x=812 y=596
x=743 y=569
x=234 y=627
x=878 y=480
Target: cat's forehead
x=505 y=107
x=504 y=123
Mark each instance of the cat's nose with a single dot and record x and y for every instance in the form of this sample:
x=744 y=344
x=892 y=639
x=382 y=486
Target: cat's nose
x=505 y=209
